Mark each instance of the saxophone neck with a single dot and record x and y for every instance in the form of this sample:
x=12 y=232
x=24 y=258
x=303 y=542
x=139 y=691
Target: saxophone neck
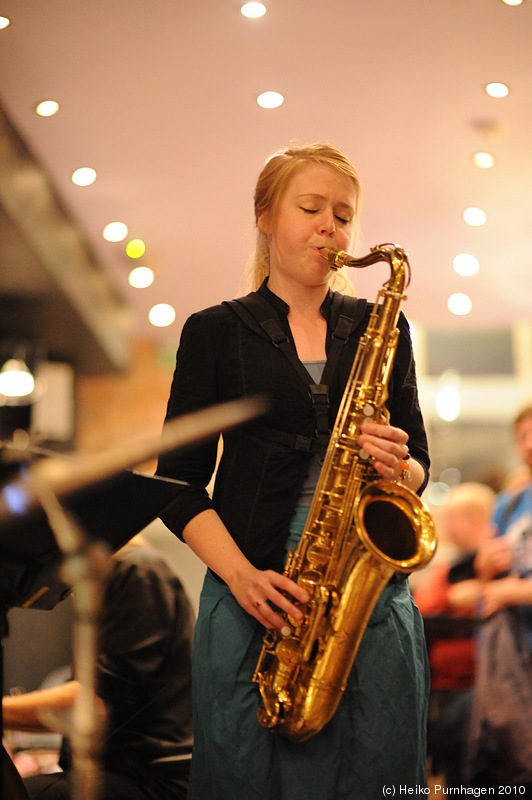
x=392 y=253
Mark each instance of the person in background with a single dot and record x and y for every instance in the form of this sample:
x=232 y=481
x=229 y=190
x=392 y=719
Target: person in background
x=509 y=556
x=465 y=521
x=450 y=589
x=306 y=198
x=499 y=747
x=143 y=680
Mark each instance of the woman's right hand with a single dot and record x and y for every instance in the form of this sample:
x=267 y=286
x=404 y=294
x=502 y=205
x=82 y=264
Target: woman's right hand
x=261 y=592
x=257 y=591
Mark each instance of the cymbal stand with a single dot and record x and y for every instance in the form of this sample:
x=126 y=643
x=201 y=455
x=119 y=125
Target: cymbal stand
x=86 y=566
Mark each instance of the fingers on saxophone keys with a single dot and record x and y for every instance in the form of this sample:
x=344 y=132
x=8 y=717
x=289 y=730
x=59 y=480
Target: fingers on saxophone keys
x=274 y=620
x=268 y=612
x=267 y=616
x=290 y=592
x=289 y=604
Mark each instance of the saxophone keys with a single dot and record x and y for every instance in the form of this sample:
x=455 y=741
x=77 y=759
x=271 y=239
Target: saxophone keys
x=319 y=554
x=309 y=579
x=288 y=652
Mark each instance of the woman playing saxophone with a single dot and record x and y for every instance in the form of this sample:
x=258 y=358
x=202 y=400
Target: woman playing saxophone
x=306 y=201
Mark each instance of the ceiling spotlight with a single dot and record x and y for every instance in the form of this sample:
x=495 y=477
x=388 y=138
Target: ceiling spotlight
x=466 y=264
x=474 y=217
x=512 y=2
x=47 y=108
x=483 y=160
x=141 y=277
x=253 y=10
x=84 y=176
x=135 y=248
x=497 y=89
x=459 y=304
x=4 y=22
x=115 y=232
x=270 y=99
x=161 y=315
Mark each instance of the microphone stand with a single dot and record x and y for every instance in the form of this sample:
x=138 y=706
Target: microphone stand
x=86 y=567
x=47 y=485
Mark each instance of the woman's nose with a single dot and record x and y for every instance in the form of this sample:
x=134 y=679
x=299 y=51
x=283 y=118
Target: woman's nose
x=327 y=222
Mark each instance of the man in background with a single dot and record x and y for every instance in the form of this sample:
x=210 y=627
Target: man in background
x=499 y=748
x=143 y=680
x=450 y=590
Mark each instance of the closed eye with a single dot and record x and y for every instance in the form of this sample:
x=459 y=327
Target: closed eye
x=340 y=219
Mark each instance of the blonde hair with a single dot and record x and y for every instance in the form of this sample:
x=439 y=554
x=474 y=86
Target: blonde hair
x=272 y=182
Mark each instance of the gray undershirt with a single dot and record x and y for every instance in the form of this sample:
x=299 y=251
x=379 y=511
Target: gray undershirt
x=315 y=368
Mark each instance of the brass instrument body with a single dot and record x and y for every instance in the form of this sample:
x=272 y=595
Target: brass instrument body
x=360 y=530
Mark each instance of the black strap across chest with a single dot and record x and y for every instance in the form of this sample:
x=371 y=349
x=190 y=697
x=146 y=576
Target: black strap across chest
x=255 y=311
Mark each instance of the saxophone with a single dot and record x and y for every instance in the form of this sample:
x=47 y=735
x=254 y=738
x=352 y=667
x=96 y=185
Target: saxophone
x=360 y=530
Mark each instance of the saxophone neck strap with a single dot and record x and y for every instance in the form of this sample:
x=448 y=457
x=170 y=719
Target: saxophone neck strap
x=257 y=313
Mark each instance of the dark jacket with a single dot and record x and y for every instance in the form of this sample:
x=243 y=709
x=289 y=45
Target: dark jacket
x=258 y=480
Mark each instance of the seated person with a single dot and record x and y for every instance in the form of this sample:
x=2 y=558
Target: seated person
x=143 y=681
x=449 y=588
x=499 y=748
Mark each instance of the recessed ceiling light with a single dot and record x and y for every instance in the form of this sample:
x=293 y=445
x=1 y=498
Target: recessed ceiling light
x=465 y=264
x=161 y=315
x=474 y=217
x=253 y=10
x=135 y=248
x=141 y=277
x=483 y=160
x=84 y=176
x=47 y=108
x=115 y=232
x=4 y=22
x=459 y=304
x=497 y=89
x=270 y=99
x=512 y=2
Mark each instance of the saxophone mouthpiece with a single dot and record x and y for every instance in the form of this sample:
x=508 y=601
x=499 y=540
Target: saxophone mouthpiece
x=333 y=257
x=336 y=258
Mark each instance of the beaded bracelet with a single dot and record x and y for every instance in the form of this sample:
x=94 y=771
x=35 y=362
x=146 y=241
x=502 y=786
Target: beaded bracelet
x=404 y=474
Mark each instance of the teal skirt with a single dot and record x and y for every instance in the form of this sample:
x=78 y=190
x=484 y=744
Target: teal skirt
x=375 y=740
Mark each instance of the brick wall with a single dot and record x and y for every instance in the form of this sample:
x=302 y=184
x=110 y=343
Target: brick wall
x=112 y=410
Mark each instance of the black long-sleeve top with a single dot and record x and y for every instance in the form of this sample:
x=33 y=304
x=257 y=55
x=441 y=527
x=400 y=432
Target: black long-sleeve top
x=258 y=481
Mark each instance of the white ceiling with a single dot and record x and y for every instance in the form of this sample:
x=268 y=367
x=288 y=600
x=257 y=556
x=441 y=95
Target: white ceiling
x=158 y=96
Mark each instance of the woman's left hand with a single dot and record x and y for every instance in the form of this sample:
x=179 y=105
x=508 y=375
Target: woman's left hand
x=387 y=446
